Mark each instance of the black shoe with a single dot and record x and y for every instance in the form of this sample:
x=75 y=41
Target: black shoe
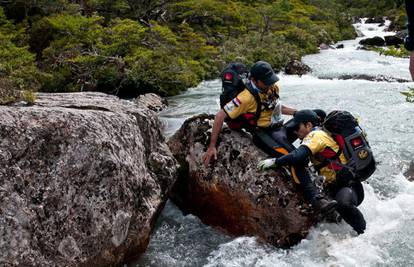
x=323 y=205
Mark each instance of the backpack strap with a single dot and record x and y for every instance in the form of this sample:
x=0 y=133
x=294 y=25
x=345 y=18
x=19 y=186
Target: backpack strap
x=326 y=161
x=257 y=98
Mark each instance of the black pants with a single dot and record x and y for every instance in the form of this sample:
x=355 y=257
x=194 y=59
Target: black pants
x=269 y=140
x=348 y=198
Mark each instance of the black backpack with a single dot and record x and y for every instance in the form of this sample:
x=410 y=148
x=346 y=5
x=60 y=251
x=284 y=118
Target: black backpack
x=232 y=84
x=232 y=81
x=352 y=141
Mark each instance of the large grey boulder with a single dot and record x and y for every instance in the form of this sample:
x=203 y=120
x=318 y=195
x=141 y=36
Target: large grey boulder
x=82 y=179
x=232 y=194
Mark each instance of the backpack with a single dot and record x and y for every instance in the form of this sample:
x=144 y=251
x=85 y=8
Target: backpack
x=232 y=84
x=352 y=141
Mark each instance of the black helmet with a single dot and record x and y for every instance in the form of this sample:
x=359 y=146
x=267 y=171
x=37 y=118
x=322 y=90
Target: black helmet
x=321 y=114
x=306 y=115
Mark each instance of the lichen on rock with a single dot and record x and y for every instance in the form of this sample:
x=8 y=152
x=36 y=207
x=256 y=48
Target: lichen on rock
x=83 y=177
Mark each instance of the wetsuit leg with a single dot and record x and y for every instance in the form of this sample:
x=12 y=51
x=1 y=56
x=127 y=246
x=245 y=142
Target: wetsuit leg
x=310 y=191
x=348 y=200
x=280 y=137
x=265 y=142
x=269 y=140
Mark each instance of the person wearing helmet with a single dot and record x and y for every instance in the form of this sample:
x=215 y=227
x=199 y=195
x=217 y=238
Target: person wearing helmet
x=262 y=82
x=316 y=142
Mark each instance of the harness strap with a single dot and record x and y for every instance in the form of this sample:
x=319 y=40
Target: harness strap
x=258 y=100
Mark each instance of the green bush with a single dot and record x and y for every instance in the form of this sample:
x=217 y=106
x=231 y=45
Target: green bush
x=165 y=46
x=273 y=48
x=17 y=65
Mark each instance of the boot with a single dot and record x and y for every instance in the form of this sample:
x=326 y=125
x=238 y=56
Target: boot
x=323 y=205
x=332 y=217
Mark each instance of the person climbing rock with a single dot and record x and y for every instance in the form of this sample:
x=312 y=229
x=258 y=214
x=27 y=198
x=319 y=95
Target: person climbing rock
x=339 y=182
x=256 y=108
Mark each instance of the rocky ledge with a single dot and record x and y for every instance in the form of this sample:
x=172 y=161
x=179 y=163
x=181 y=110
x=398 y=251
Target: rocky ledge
x=232 y=194
x=82 y=179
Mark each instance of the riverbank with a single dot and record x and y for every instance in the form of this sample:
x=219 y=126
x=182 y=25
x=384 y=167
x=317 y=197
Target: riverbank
x=182 y=240
x=130 y=48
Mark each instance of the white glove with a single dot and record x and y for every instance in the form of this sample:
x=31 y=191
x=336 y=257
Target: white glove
x=266 y=164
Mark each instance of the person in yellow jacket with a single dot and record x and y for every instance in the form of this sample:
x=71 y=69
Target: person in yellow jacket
x=321 y=148
x=263 y=82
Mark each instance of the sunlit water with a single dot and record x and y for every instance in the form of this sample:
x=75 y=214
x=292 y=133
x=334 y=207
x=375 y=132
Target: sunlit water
x=389 y=202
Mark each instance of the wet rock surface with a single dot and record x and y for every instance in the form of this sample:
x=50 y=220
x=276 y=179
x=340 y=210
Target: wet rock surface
x=410 y=172
x=393 y=40
x=296 y=67
x=379 y=20
x=82 y=179
x=375 y=78
x=232 y=194
x=374 y=41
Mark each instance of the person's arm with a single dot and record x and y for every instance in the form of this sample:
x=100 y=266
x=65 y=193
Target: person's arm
x=298 y=156
x=212 y=150
x=409 y=41
x=288 y=110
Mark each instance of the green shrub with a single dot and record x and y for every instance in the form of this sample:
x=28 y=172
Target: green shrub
x=391 y=51
x=165 y=46
x=273 y=48
x=17 y=65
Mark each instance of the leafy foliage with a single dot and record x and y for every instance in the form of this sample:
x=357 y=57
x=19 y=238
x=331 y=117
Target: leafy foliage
x=17 y=65
x=392 y=51
x=130 y=47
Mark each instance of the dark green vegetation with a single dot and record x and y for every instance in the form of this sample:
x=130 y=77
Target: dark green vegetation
x=393 y=51
x=130 y=47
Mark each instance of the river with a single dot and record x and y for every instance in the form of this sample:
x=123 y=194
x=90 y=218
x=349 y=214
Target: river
x=388 y=207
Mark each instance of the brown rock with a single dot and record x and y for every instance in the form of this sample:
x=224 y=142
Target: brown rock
x=410 y=172
x=82 y=179
x=232 y=194
x=296 y=67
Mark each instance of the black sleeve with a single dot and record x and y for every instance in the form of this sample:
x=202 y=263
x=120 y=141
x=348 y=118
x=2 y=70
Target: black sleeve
x=296 y=157
x=409 y=41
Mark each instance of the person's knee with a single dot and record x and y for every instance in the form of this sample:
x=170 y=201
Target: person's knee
x=347 y=197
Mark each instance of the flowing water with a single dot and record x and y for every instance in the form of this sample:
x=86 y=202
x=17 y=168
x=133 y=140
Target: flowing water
x=389 y=201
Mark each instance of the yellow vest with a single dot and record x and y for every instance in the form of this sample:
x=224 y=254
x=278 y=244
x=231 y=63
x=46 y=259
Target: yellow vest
x=317 y=141
x=245 y=103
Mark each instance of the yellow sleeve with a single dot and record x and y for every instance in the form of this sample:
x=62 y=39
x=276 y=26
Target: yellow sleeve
x=314 y=142
x=239 y=105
